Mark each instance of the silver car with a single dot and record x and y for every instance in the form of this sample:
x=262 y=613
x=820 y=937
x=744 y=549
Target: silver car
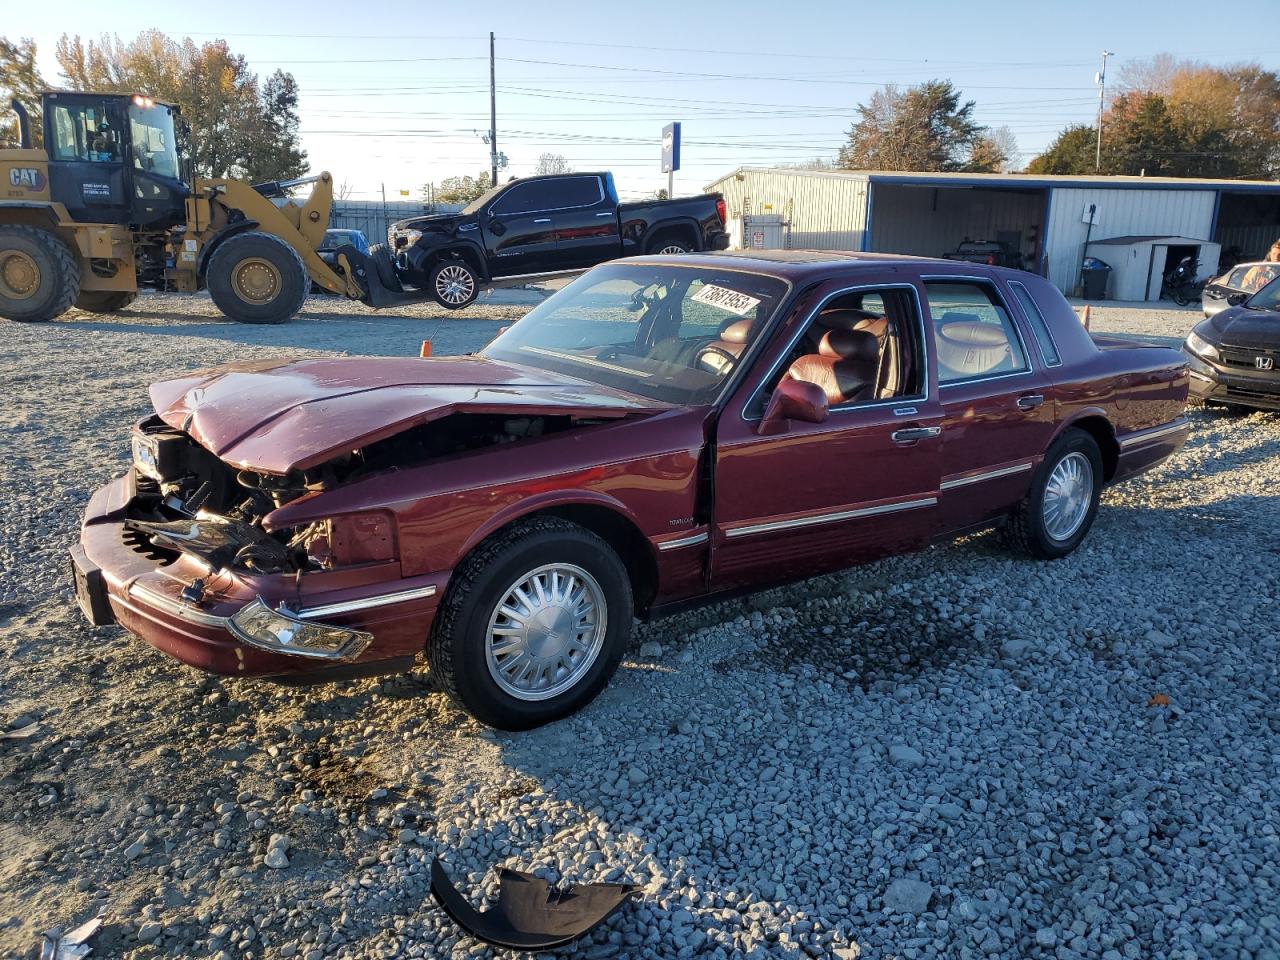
x=1237 y=285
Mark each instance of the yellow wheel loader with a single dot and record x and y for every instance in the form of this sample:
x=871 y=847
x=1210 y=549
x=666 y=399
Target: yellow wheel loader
x=105 y=209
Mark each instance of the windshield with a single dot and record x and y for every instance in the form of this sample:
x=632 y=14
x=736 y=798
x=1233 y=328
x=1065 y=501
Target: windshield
x=475 y=205
x=1268 y=298
x=669 y=333
x=154 y=148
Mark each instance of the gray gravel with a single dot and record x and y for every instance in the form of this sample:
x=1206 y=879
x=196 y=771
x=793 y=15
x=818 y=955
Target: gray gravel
x=953 y=754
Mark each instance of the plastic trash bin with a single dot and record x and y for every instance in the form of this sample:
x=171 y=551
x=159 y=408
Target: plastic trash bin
x=1095 y=274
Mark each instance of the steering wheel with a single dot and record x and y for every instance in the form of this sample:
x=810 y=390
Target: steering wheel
x=716 y=359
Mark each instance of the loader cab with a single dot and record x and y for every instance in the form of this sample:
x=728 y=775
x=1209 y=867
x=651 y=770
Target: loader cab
x=114 y=159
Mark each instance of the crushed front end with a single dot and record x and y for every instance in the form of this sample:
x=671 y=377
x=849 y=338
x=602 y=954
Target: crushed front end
x=178 y=553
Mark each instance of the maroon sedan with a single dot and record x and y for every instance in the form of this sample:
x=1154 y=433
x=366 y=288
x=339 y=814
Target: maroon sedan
x=660 y=432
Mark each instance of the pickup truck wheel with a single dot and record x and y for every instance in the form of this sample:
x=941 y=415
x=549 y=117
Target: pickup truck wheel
x=534 y=624
x=256 y=277
x=453 y=284
x=1060 y=508
x=669 y=243
x=39 y=275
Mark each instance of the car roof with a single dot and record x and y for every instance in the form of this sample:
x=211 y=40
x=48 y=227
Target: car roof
x=800 y=265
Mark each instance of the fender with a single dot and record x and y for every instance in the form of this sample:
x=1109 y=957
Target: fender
x=215 y=241
x=478 y=260
x=540 y=502
x=680 y=223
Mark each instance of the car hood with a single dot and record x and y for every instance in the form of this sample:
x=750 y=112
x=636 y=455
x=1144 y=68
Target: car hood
x=273 y=416
x=1242 y=327
x=434 y=221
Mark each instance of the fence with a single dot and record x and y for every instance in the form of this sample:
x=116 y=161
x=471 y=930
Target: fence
x=373 y=217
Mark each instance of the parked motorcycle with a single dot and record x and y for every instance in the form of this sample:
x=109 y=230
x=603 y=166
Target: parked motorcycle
x=1180 y=283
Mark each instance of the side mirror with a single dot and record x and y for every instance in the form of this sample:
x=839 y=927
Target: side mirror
x=793 y=400
x=495 y=225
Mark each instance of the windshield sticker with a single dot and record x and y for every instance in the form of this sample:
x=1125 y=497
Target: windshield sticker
x=725 y=299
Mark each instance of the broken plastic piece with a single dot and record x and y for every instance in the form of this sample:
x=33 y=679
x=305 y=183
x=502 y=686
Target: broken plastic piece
x=71 y=945
x=530 y=913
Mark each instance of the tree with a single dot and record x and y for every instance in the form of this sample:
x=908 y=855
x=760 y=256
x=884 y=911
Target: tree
x=995 y=151
x=239 y=127
x=462 y=189
x=1072 y=152
x=922 y=128
x=19 y=79
x=550 y=163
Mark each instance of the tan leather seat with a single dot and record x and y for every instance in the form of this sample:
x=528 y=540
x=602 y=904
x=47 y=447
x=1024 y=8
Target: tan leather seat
x=970 y=348
x=721 y=354
x=844 y=367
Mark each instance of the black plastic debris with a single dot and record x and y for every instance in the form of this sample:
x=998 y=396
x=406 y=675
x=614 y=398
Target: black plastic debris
x=530 y=914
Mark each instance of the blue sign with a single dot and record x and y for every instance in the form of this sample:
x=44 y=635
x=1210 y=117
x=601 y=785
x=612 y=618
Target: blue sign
x=671 y=147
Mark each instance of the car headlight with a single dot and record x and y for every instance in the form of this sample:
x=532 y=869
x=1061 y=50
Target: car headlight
x=1200 y=346
x=408 y=238
x=279 y=631
x=146 y=459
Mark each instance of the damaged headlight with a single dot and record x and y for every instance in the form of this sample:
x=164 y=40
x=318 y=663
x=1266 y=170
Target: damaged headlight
x=278 y=631
x=146 y=459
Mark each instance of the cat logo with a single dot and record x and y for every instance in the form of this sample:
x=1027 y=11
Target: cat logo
x=29 y=178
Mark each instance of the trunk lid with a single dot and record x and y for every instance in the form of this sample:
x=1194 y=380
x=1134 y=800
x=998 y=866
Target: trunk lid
x=274 y=416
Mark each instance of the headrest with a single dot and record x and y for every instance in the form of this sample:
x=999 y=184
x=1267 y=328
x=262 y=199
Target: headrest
x=735 y=331
x=842 y=319
x=975 y=334
x=849 y=345
x=878 y=326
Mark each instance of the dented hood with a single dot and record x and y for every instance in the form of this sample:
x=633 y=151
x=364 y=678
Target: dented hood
x=273 y=416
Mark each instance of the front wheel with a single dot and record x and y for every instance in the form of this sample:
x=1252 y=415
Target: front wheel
x=534 y=624
x=454 y=284
x=1063 y=501
x=256 y=277
x=39 y=275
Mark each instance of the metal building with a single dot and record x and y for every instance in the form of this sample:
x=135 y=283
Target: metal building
x=1044 y=223
x=373 y=217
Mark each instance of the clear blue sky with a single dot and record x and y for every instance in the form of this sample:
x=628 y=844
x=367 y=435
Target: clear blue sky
x=393 y=93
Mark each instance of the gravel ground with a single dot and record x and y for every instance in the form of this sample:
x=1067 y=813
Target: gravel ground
x=951 y=754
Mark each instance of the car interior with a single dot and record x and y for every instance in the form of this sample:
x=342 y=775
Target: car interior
x=973 y=334
x=860 y=347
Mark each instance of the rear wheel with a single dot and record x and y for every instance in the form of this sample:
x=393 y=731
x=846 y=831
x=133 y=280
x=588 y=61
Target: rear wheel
x=665 y=243
x=39 y=275
x=534 y=624
x=257 y=278
x=105 y=301
x=454 y=284
x=1063 y=502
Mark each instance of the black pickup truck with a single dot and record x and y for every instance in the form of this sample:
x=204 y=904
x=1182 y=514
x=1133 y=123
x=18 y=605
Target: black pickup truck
x=542 y=226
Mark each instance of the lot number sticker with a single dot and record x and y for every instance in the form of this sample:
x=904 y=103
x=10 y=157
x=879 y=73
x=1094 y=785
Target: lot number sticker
x=726 y=299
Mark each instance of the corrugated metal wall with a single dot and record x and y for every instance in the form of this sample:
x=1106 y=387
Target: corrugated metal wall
x=1175 y=213
x=930 y=221
x=372 y=217
x=1253 y=241
x=826 y=213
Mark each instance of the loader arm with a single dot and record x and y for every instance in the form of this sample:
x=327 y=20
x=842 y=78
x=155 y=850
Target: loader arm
x=302 y=227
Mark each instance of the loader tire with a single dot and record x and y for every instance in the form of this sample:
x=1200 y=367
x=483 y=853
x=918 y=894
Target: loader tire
x=105 y=301
x=39 y=275
x=256 y=277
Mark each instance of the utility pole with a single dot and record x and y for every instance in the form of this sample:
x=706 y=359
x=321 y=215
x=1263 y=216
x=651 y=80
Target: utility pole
x=1102 y=93
x=493 y=120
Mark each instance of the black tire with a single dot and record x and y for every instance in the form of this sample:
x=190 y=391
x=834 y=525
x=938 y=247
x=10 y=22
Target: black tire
x=1180 y=298
x=283 y=295
x=1027 y=529
x=457 y=649
x=670 y=242
x=56 y=285
x=105 y=301
x=457 y=275
x=380 y=257
x=1236 y=410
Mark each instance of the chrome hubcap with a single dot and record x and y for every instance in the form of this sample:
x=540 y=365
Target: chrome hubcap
x=454 y=284
x=1067 y=496
x=546 y=632
x=672 y=248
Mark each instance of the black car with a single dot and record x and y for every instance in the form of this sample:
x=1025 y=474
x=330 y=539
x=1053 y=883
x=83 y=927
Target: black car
x=1236 y=285
x=990 y=252
x=1235 y=354
x=540 y=227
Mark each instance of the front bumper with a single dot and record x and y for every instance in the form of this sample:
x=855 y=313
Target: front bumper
x=384 y=616
x=1218 y=383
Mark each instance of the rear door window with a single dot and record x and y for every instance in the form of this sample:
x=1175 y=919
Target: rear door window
x=972 y=331
x=569 y=192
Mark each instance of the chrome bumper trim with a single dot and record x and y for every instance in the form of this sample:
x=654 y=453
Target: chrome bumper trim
x=985 y=475
x=176 y=608
x=1153 y=433
x=184 y=611
x=365 y=603
x=688 y=541
x=830 y=517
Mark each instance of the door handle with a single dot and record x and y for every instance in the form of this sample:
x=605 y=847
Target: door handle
x=543 y=220
x=912 y=434
x=1030 y=401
